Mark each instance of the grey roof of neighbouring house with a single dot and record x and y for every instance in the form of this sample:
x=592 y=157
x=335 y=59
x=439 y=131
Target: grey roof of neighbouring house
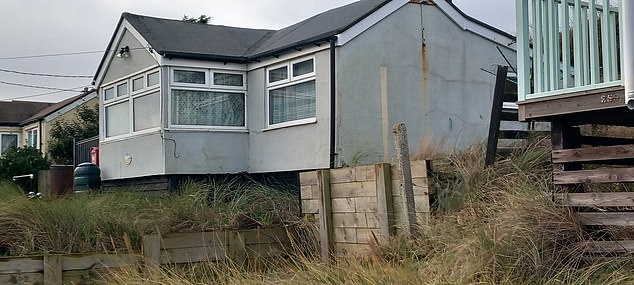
x=55 y=107
x=175 y=38
x=13 y=113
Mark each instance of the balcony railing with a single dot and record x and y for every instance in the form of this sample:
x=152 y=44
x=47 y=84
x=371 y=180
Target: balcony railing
x=567 y=46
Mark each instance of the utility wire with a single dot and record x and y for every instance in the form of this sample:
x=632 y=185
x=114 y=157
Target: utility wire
x=39 y=94
x=45 y=74
x=60 y=54
x=38 y=87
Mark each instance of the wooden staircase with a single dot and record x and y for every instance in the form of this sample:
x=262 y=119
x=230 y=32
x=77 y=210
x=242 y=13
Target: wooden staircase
x=592 y=176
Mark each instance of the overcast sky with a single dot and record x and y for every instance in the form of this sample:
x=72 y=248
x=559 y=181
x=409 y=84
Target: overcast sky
x=31 y=29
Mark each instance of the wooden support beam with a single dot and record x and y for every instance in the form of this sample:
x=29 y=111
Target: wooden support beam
x=600 y=175
x=52 y=270
x=606 y=218
x=496 y=110
x=327 y=243
x=607 y=199
x=385 y=204
x=593 y=154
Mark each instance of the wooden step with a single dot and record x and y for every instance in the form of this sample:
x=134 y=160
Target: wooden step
x=603 y=247
x=606 y=218
x=594 y=200
x=602 y=153
x=599 y=175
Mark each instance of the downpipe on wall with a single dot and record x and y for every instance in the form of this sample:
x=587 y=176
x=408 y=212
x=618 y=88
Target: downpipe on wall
x=628 y=51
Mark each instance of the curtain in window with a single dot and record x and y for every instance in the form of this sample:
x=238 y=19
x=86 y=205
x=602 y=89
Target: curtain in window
x=8 y=141
x=292 y=103
x=206 y=108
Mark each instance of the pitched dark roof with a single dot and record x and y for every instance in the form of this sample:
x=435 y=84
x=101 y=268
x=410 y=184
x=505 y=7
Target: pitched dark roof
x=213 y=42
x=54 y=108
x=317 y=28
x=13 y=113
x=189 y=40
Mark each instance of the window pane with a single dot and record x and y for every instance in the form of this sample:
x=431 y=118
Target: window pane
x=8 y=141
x=153 y=79
x=278 y=74
x=303 y=67
x=207 y=108
x=137 y=84
x=122 y=89
x=187 y=76
x=31 y=138
x=291 y=103
x=147 y=112
x=228 y=79
x=108 y=93
x=117 y=119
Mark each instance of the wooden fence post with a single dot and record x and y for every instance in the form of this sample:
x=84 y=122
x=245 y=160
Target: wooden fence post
x=151 y=255
x=325 y=213
x=236 y=247
x=405 y=177
x=384 y=200
x=52 y=270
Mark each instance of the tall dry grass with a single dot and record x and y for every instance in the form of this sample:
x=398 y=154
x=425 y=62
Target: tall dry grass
x=495 y=225
x=111 y=221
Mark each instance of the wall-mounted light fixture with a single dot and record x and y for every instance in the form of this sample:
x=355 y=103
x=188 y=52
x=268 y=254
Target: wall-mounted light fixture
x=124 y=52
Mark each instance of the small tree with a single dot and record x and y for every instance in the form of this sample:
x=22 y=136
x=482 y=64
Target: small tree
x=21 y=161
x=202 y=19
x=85 y=125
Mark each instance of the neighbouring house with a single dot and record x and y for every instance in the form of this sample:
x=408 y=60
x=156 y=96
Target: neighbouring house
x=179 y=98
x=25 y=123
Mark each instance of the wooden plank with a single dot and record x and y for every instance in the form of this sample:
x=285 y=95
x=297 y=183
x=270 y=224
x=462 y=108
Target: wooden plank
x=193 y=254
x=152 y=249
x=593 y=154
x=600 y=175
x=405 y=177
x=342 y=205
x=341 y=175
x=236 y=247
x=97 y=261
x=52 y=270
x=349 y=220
x=186 y=240
x=385 y=206
x=22 y=278
x=12 y=265
x=365 y=205
x=353 y=249
x=606 y=218
x=345 y=235
x=265 y=250
x=325 y=212
x=308 y=178
x=599 y=199
x=270 y=235
x=353 y=189
x=310 y=206
x=596 y=99
x=598 y=247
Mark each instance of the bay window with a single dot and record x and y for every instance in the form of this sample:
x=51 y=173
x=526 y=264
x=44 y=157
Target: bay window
x=291 y=92
x=132 y=105
x=207 y=98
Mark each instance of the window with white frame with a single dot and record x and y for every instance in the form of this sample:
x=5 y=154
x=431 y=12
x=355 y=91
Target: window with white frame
x=8 y=141
x=291 y=92
x=207 y=98
x=132 y=105
x=31 y=138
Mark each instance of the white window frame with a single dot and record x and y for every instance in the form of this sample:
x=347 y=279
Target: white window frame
x=29 y=135
x=174 y=83
x=143 y=87
x=208 y=87
x=290 y=81
x=130 y=99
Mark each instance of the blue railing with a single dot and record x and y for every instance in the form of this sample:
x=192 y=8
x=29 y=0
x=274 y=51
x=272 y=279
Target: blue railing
x=566 y=46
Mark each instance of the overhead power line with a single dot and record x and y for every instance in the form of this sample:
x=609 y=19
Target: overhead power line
x=40 y=94
x=38 y=87
x=45 y=74
x=59 y=54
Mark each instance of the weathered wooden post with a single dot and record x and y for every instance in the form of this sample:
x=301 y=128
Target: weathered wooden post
x=408 y=213
x=325 y=215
